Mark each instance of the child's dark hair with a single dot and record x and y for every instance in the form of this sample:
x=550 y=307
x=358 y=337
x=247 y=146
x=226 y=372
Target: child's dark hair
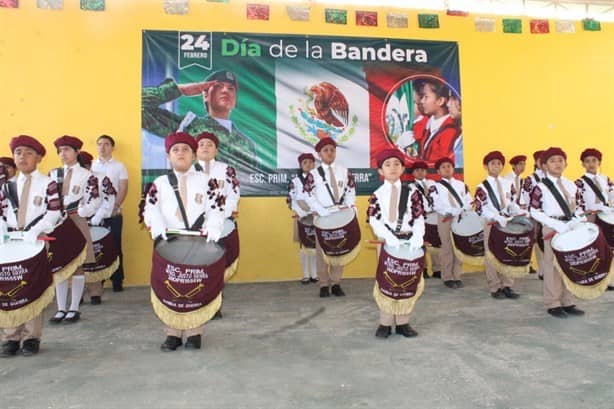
x=440 y=89
x=108 y=138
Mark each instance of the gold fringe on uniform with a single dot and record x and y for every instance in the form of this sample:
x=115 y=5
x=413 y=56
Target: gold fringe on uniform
x=70 y=268
x=341 y=260
x=586 y=292
x=185 y=320
x=104 y=274
x=15 y=318
x=507 y=270
x=231 y=270
x=467 y=259
x=397 y=307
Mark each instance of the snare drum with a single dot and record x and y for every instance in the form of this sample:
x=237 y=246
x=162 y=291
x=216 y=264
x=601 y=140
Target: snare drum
x=399 y=281
x=187 y=278
x=105 y=253
x=68 y=251
x=306 y=232
x=584 y=260
x=338 y=235
x=431 y=233
x=26 y=281
x=230 y=240
x=510 y=247
x=467 y=232
x=606 y=222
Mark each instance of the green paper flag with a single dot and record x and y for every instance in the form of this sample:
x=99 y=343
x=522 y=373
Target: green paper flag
x=512 y=25
x=336 y=16
x=92 y=5
x=591 y=25
x=428 y=20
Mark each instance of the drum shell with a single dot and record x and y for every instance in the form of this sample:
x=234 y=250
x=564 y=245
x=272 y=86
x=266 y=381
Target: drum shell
x=606 y=223
x=470 y=242
x=105 y=252
x=398 y=276
x=511 y=249
x=341 y=240
x=68 y=246
x=306 y=232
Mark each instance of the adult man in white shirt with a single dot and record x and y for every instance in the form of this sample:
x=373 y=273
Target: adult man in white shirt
x=115 y=171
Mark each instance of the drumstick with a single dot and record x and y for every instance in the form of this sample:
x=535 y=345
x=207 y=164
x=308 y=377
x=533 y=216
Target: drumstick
x=426 y=243
x=41 y=238
x=186 y=232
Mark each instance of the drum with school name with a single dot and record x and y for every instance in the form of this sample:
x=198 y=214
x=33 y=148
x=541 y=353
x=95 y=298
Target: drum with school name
x=26 y=281
x=230 y=240
x=105 y=253
x=187 y=279
x=510 y=246
x=338 y=234
x=306 y=232
x=431 y=233
x=68 y=251
x=398 y=280
x=606 y=222
x=584 y=260
x=467 y=232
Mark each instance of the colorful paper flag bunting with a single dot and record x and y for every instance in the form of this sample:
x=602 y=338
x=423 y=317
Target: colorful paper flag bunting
x=336 y=16
x=50 y=4
x=457 y=13
x=366 y=18
x=540 y=26
x=565 y=26
x=176 y=6
x=590 y=24
x=397 y=20
x=10 y=4
x=428 y=21
x=92 y=5
x=485 y=25
x=257 y=11
x=298 y=13
x=512 y=25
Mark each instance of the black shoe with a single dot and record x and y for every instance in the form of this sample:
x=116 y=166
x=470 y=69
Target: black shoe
x=425 y=274
x=76 y=316
x=450 y=284
x=459 y=284
x=337 y=291
x=95 y=300
x=118 y=287
x=314 y=280
x=436 y=274
x=218 y=315
x=58 y=317
x=558 y=312
x=509 y=293
x=383 y=331
x=499 y=294
x=406 y=331
x=9 y=348
x=610 y=288
x=193 y=342
x=170 y=344
x=532 y=270
x=324 y=292
x=572 y=310
x=30 y=347
x=541 y=277
x=305 y=281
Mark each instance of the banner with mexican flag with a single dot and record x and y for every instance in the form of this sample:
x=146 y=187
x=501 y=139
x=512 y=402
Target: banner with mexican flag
x=269 y=98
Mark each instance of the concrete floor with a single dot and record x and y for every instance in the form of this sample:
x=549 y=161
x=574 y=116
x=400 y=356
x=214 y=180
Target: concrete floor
x=280 y=346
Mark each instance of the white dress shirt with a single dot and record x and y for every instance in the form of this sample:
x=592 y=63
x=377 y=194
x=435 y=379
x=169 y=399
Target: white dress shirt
x=83 y=189
x=485 y=207
x=444 y=202
x=316 y=192
x=296 y=196
x=113 y=169
x=605 y=186
x=425 y=184
x=544 y=207
x=228 y=183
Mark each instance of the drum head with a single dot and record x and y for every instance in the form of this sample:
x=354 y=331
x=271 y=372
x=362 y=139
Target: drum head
x=189 y=250
x=98 y=232
x=228 y=227
x=607 y=218
x=467 y=224
x=581 y=236
x=14 y=251
x=518 y=225
x=335 y=220
x=307 y=220
x=431 y=218
x=404 y=252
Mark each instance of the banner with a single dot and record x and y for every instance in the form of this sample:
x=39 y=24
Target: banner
x=270 y=97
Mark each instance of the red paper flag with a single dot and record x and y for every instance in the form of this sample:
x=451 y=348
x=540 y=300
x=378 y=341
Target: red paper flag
x=366 y=18
x=257 y=11
x=457 y=13
x=540 y=26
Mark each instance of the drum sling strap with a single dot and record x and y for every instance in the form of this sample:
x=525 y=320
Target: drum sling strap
x=330 y=192
x=423 y=193
x=11 y=192
x=172 y=179
x=451 y=190
x=60 y=182
x=492 y=195
x=403 y=201
x=559 y=198
x=198 y=167
x=537 y=178
x=595 y=189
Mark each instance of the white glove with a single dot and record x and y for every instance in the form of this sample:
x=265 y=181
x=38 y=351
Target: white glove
x=392 y=241
x=415 y=242
x=158 y=229
x=573 y=223
x=96 y=220
x=559 y=226
x=501 y=220
x=81 y=212
x=323 y=212
x=30 y=236
x=213 y=234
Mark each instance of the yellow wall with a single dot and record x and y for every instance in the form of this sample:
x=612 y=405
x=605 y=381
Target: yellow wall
x=79 y=73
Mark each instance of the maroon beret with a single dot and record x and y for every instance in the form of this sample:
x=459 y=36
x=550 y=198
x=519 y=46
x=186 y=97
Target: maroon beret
x=517 y=159
x=25 y=140
x=68 y=140
x=85 y=157
x=443 y=160
x=179 y=137
x=552 y=151
x=419 y=164
x=323 y=142
x=210 y=136
x=5 y=160
x=537 y=155
x=304 y=156
x=591 y=152
x=387 y=154
x=492 y=156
